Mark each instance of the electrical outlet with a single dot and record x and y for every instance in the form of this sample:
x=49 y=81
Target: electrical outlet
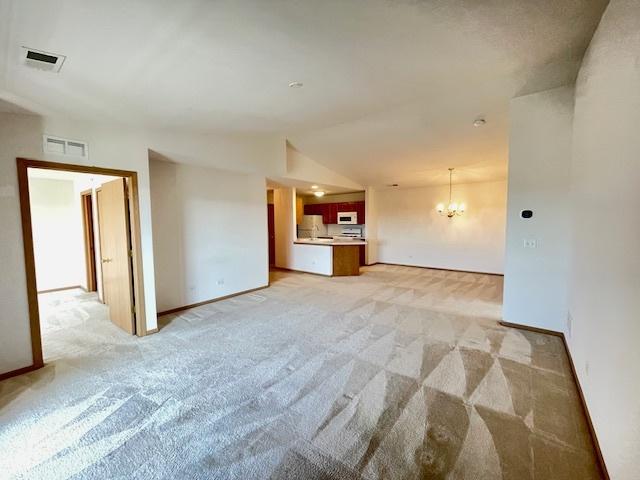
x=530 y=243
x=221 y=281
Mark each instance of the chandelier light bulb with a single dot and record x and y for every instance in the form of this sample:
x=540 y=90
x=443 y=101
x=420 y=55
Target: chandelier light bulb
x=453 y=208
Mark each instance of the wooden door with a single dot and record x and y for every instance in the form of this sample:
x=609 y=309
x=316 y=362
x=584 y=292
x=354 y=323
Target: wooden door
x=89 y=239
x=117 y=280
x=272 y=234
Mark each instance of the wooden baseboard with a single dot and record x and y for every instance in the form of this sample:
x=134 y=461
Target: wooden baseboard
x=282 y=269
x=435 y=268
x=531 y=329
x=583 y=401
x=151 y=332
x=206 y=302
x=19 y=371
x=61 y=289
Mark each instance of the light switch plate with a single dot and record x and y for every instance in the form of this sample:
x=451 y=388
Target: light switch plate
x=530 y=243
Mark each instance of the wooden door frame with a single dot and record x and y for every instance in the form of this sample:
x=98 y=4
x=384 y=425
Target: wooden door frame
x=23 y=164
x=101 y=293
x=89 y=239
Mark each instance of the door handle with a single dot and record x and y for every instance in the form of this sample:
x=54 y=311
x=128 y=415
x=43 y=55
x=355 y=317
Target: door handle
x=107 y=260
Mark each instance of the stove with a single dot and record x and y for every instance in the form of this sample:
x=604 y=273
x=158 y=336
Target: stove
x=351 y=232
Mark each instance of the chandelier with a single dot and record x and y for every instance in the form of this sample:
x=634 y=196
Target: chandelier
x=453 y=208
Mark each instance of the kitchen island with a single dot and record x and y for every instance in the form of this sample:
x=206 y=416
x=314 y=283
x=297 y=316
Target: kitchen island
x=344 y=255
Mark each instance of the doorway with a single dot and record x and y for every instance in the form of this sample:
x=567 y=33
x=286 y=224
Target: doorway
x=271 y=229
x=272 y=234
x=86 y=203
x=108 y=246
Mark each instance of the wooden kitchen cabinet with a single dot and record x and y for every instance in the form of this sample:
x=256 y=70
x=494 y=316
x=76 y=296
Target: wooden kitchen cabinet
x=313 y=209
x=360 y=210
x=329 y=211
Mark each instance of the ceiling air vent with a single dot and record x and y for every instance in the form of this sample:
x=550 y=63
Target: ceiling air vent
x=50 y=62
x=62 y=146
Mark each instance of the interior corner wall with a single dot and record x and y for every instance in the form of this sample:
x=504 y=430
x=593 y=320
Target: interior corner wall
x=283 y=212
x=58 y=244
x=535 y=282
x=604 y=295
x=21 y=136
x=371 y=220
x=209 y=231
x=411 y=232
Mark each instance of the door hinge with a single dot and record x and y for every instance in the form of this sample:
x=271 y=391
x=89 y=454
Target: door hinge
x=131 y=253
x=133 y=309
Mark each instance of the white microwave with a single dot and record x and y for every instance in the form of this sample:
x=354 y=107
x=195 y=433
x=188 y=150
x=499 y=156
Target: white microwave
x=347 y=218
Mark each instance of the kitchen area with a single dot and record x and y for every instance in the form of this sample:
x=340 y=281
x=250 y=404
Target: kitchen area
x=335 y=222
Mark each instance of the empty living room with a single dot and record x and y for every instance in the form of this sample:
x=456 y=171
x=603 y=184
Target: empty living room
x=303 y=239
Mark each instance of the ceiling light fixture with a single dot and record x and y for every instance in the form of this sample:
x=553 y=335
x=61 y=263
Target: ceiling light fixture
x=296 y=85
x=314 y=187
x=319 y=193
x=478 y=122
x=453 y=208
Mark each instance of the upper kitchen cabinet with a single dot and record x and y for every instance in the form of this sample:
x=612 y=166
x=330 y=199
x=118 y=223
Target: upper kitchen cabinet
x=329 y=211
x=313 y=209
x=360 y=210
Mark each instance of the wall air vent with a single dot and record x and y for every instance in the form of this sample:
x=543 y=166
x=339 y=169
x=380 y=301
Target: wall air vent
x=62 y=146
x=47 y=61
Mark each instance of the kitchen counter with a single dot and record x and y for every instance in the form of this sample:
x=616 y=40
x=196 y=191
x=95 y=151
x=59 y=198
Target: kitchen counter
x=343 y=256
x=329 y=242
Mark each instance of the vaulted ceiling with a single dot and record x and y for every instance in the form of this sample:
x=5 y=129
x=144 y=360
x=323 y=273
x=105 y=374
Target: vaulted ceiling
x=391 y=88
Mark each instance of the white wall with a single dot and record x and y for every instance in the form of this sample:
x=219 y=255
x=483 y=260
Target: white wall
x=112 y=147
x=209 y=230
x=58 y=242
x=312 y=258
x=371 y=220
x=302 y=168
x=262 y=154
x=284 y=206
x=535 y=284
x=21 y=136
x=604 y=296
x=411 y=232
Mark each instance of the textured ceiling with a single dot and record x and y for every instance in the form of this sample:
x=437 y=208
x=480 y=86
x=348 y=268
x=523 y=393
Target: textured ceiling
x=391 y=88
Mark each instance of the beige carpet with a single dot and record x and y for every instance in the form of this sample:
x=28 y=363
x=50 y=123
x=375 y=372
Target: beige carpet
x=401 y=373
